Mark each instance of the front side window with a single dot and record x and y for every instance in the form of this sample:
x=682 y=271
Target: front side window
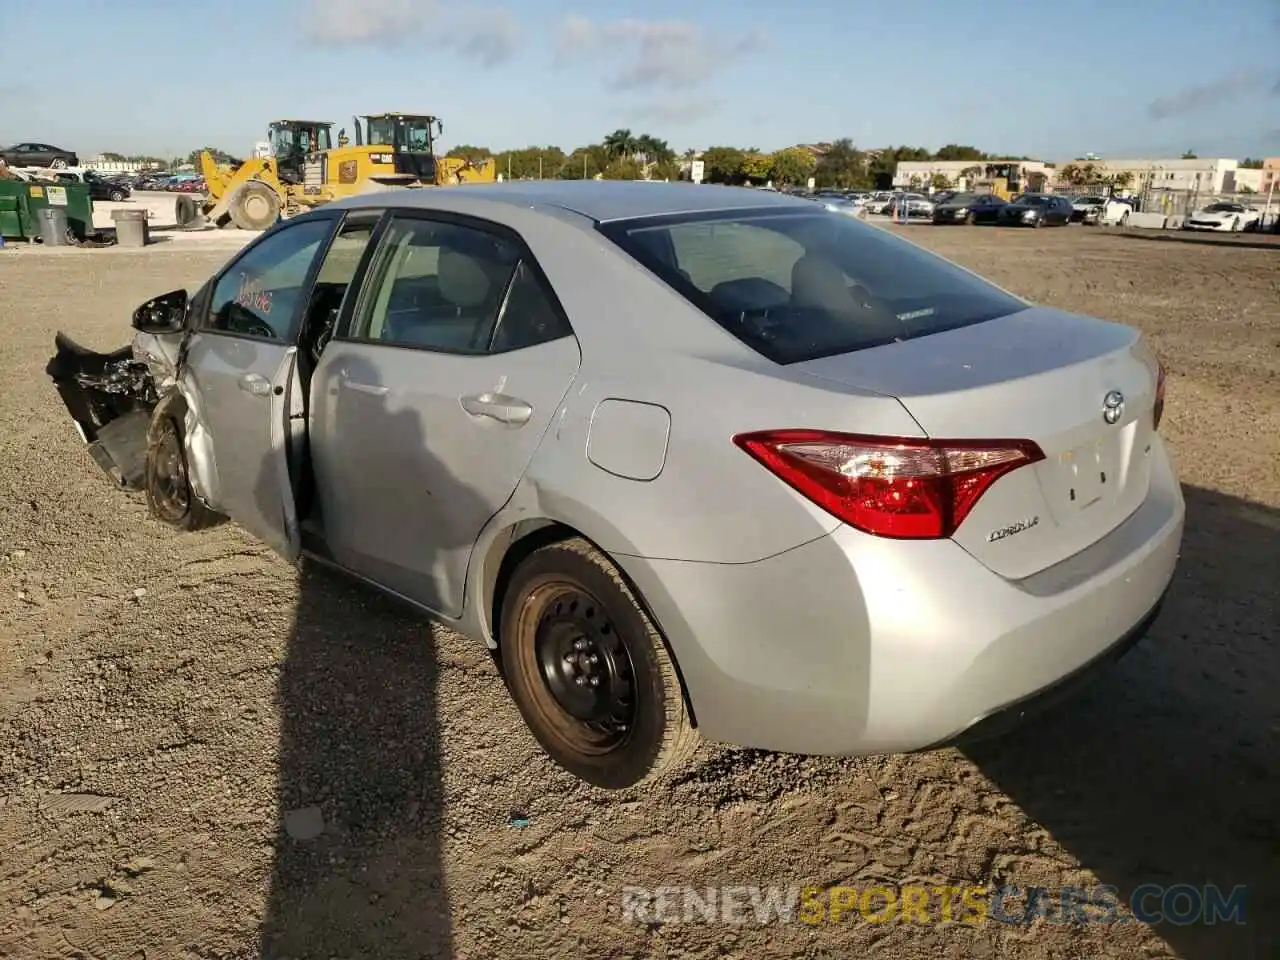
x=799 y=285
x=259 y=294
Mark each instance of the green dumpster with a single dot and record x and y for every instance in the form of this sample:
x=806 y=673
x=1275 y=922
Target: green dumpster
x=73 y=196
x=10 y=218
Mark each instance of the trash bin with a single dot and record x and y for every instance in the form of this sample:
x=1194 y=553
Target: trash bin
x=132 y=229
x=53 y=226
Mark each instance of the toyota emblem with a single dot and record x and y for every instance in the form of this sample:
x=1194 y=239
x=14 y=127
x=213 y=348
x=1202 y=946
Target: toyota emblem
x=1113 y=406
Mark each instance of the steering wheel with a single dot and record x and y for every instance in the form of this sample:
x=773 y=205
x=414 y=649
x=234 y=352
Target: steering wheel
x=259 y=328
x=323 y=336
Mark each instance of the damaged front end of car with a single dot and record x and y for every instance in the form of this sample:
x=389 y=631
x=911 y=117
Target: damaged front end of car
x=111 y=396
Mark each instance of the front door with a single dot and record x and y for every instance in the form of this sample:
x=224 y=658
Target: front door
x=240 y=370
x=428 y=407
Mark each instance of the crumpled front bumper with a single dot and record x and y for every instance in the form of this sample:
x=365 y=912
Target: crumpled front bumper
x=110 y=397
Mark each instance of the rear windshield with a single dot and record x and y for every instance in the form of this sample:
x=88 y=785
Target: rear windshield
x=798 y=285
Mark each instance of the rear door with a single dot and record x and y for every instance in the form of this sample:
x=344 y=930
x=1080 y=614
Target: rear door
x=240 y=369
x=428 y=407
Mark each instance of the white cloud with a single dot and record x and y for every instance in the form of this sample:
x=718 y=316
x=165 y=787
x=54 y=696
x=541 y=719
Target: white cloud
x=652 y=54
x=488 y=36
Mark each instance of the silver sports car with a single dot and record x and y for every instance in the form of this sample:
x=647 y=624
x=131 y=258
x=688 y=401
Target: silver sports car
x=687 y=458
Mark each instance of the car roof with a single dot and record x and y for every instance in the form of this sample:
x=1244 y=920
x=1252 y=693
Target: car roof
x=598 y=200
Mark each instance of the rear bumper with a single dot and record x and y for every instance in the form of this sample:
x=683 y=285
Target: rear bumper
x=853 y=644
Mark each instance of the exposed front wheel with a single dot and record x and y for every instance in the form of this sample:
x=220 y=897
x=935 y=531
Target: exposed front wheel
x=589 y=671
x=255 y=206
x=1235 y=225
x=167 y=481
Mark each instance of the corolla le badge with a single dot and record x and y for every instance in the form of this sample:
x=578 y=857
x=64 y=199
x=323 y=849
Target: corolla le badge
x=1012 y=529
x=1113 y=406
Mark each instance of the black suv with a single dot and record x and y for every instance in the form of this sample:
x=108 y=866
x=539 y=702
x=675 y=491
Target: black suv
x=38 y=155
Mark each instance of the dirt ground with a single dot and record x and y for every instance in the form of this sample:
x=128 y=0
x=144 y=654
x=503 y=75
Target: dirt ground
x=179 y=714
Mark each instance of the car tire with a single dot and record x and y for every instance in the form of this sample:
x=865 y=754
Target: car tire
x=589 y=670
x=970 y=219
x=1235 y=225
x=166 y=479
x=254 y=206
x=58 y=164
x=1124 y=219
x=116 y=196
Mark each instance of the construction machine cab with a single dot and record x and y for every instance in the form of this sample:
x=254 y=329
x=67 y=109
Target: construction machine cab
x=292 y=141
x=411 y=137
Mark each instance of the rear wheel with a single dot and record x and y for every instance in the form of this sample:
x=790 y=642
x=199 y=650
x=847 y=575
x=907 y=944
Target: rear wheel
x=589 y=671
x=116 y=196
x=970 y=219
x=58 y=164
x=166 y=480
x=255 y=206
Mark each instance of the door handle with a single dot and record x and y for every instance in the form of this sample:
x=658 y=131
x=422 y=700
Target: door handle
x=497 y=406
x=256 y=384
x=369 y=388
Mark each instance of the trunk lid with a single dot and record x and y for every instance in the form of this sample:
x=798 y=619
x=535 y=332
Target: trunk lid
x=1041 y=375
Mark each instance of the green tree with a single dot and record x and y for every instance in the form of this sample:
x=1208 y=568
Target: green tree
x=1122 y=180
x=756 y=166
x=471 y=153
x=621 y=143
x=585 y=163
x=940 y=181
x=112 y=157
x=723 y=164
x=530 y=163
x=792 y=166
x=842 y=167
x=956 y=151
x=1250 y=163
x=624 y=168
x=653 y=150
x=1189 y=155
x=664 y=170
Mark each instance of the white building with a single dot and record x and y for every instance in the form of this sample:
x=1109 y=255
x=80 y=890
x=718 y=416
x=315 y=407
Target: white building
x=102 y=165
x=1200 y=175
x=963 y=174
x=1243 y=180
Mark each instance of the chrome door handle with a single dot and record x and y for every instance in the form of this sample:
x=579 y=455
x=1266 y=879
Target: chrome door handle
x=497 y=406
x=256 y=384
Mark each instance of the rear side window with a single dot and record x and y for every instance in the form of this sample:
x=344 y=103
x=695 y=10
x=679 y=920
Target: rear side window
x=796 y=286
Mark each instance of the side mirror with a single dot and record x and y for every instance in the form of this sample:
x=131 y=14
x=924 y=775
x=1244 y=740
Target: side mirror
x=166 y=313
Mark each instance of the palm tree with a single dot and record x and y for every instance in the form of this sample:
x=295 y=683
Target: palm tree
x=621 y=143
x=653 y=149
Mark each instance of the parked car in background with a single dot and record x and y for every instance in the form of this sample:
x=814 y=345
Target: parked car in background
x=849 y=208
x=39 y=155
x=913 y=204
x=1225 y=216
x=100 y=188
x=484 y=438
x=1099 y=209
x=1036 y=210
x=969 y=208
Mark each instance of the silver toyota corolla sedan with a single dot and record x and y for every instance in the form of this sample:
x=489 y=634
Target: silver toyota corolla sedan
x=687 y=458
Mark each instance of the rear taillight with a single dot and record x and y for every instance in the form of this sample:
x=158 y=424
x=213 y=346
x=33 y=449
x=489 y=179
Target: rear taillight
x=1158 y=412
x=890 y=487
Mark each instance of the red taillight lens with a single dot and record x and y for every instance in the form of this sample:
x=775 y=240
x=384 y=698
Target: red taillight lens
x=1158 y=412
x=890 y=487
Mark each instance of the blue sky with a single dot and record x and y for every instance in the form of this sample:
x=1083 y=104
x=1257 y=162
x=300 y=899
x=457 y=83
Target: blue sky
x=1125 y=77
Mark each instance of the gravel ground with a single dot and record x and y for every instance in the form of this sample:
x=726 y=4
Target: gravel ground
x=205 y=753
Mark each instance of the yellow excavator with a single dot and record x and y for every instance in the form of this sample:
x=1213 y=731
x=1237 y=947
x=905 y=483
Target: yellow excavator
x=303 y=169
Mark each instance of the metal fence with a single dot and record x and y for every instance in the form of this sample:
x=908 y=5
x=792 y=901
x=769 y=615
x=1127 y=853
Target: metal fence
x=1180 y=203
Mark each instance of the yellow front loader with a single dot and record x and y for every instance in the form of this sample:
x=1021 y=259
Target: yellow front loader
x=304 y=168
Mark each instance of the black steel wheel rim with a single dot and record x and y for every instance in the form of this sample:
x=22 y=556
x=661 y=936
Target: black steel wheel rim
x=586 y=667
x=171 y=490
